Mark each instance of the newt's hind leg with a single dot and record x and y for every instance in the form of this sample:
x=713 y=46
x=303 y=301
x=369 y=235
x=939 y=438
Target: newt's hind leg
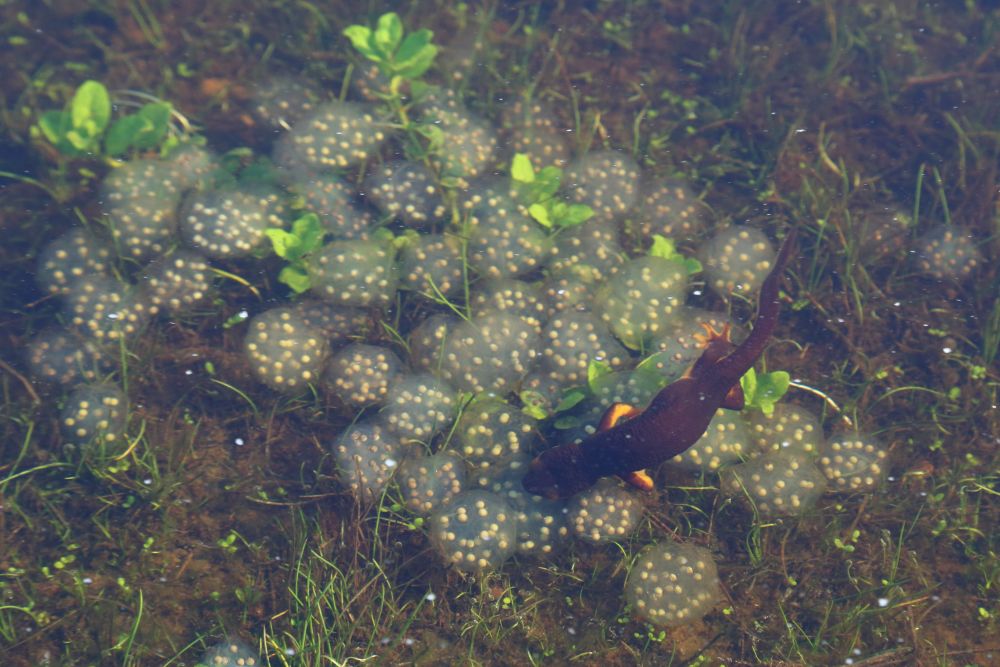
x=615 y=413
x=639 y=479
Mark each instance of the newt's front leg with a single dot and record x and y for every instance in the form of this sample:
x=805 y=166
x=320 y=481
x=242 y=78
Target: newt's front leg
x=616 y=413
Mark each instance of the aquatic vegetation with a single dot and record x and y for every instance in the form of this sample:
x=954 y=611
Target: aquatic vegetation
x=85 y=127
x=673 y=584
x=313 y=535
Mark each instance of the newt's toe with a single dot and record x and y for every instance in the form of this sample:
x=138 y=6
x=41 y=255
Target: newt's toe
x=640 y=479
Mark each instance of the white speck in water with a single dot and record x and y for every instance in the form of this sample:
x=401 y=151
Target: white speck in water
x=571 y=631
x=87 y=580
x=238 y=442
x=289 y=651
x=431 y=597
x=390 y=463
x=409 y=641
x=946 y=350
x=883 y=602
x=147 y=481
x=189 y=372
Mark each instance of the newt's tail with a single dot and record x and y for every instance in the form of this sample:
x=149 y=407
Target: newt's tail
x=739 y=361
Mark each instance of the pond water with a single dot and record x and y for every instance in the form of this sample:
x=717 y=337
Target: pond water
x=294 y=294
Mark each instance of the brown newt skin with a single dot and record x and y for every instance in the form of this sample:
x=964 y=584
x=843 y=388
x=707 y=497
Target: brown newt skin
x=676 y=417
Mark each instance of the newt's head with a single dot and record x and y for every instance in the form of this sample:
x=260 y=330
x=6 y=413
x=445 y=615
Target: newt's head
x=716 y=344
x=553 y=474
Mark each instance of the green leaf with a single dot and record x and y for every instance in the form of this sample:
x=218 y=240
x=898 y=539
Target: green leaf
x=764 y=390
x=91 y=108
x=749 y=384
x=413 y=45
x=534 y=404
x=771 y=387
x=663 y=247
x=154 y=124
x=577 y=214
x=361 y=39
x=121 y=134
x=595 y=371
x=414 y=67
x=540 y=214
x=571 y=398
x=296 y=278
x=416 y=54
x=284 y=243
x=54 y=125
x=521 y=169
x=309 y=231
x=388 y=33
x=80 y=139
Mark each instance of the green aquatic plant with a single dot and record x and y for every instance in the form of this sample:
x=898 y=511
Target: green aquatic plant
x=396 y=56
x=536 y=190
x=85 y=126
x=762 y=390
x=293 y=246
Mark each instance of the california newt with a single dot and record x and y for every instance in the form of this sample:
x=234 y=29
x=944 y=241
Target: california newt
x=674 y=420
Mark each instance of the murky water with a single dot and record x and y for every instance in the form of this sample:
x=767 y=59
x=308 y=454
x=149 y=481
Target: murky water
x=291 y=306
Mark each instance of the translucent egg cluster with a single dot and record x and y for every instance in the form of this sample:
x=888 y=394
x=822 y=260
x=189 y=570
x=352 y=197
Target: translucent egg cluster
x=775 y=484
x=604 y=513
x=737 y=260
x=284 y=351
x=673 y=584
x=853 y=462
x=476 y=531
x=94 y=418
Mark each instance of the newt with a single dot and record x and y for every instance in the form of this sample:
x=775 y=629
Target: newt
x=628 y=440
